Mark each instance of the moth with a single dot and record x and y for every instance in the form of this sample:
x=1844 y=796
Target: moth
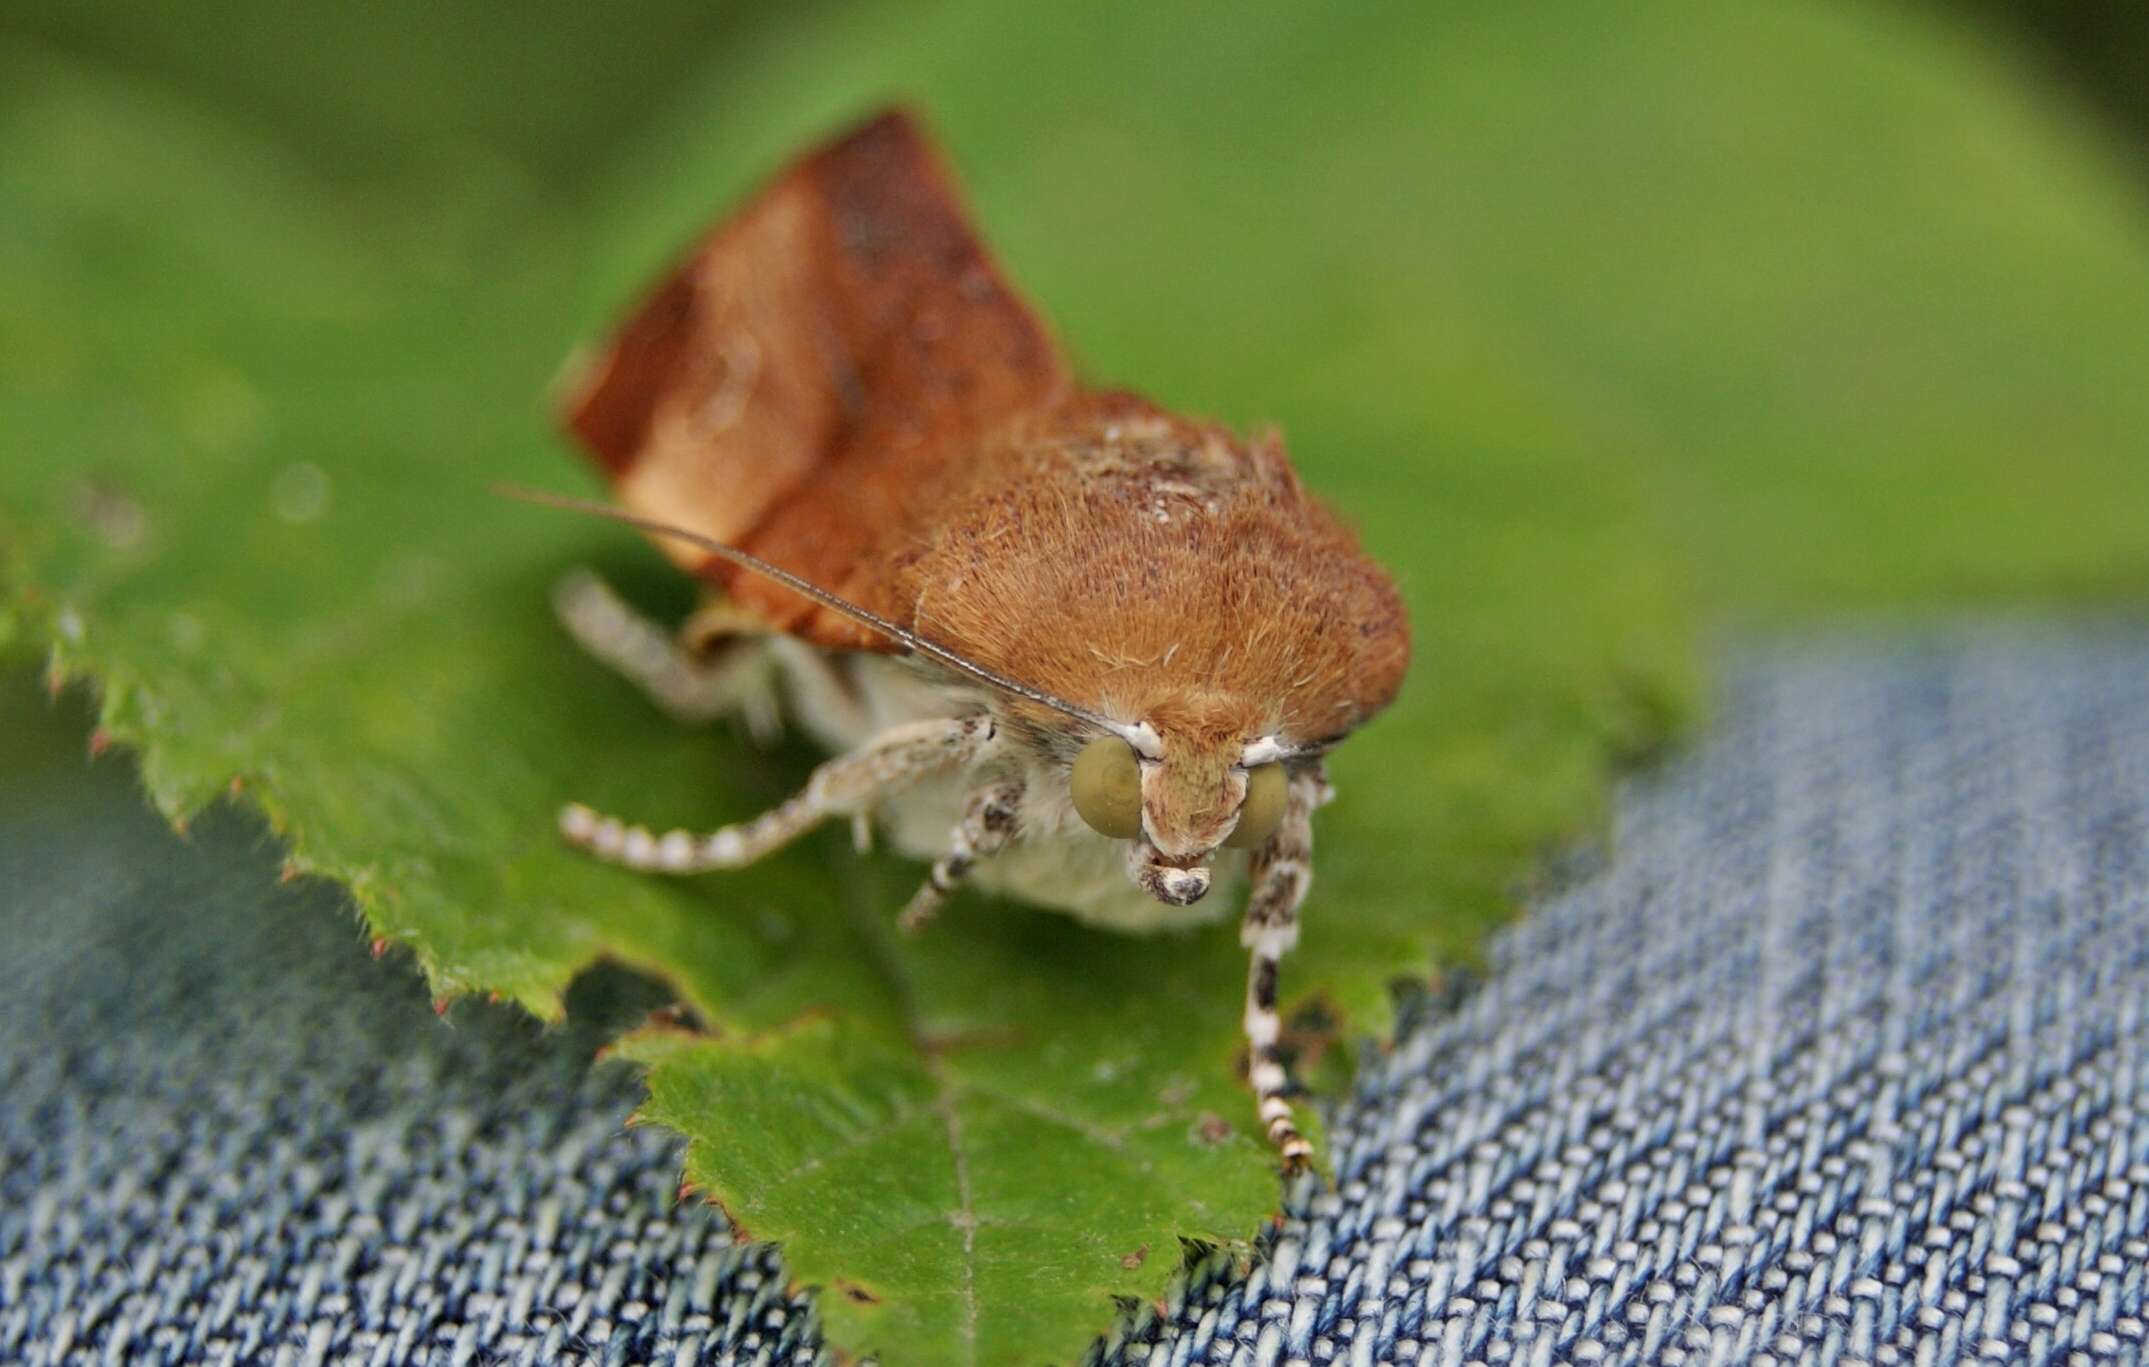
x=1064 y=645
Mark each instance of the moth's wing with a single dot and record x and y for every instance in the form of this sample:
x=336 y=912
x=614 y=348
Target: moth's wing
x=815 y=361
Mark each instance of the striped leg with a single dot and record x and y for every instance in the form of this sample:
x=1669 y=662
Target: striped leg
x=1282 y=872
x=991 y=820
x=688 y=688
x=848 y=784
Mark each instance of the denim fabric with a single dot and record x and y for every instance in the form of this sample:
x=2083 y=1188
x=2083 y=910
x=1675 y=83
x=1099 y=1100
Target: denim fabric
x=1842 y=1057
x=228 y=1135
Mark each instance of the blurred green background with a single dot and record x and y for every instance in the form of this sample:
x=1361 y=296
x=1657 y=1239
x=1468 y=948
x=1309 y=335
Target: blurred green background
x=1610 y=326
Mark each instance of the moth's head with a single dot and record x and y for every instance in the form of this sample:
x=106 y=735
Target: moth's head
x=1178 y=787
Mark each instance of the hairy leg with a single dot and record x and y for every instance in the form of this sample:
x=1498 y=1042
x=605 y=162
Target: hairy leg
x=688 y=687
x=846 y=785
x=991 y=820
x=1282 y=873
x=824 y=694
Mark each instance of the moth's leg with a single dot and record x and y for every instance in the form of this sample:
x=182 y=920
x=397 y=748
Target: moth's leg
x=989 y=822
x=824 y=691
x=686 y=686
x=885 y=765
x=1282 y=872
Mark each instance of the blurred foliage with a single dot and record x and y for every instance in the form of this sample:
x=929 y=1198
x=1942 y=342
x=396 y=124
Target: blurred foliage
x=1606 y=324
x=2099 y=47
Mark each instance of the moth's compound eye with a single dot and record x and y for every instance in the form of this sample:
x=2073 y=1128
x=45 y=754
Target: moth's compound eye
x=1107 y=787
x=1262 y=812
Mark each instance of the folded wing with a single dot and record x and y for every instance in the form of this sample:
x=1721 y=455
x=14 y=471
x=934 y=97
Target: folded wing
x=813 y=363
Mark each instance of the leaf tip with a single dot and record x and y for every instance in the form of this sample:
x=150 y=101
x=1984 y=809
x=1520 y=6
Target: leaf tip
x=100 y=741
x=855 y=1293
x=441 y=1004
x=676 y=1018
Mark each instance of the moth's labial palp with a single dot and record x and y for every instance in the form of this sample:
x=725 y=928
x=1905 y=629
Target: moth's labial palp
x=1168 y=883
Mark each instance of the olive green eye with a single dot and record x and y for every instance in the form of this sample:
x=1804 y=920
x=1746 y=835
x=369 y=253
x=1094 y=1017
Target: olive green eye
x=1107 y=786
x=1262 y=811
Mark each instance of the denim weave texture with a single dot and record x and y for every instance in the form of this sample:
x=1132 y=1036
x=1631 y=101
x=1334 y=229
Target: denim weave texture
x=1840 y=1055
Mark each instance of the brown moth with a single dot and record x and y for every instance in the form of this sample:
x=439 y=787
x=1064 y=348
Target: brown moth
x=1065 y=645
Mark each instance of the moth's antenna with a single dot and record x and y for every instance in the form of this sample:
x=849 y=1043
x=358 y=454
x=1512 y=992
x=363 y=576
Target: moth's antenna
x=874 y=621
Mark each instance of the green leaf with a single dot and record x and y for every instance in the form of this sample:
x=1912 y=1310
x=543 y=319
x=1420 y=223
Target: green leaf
x=1603 y=323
